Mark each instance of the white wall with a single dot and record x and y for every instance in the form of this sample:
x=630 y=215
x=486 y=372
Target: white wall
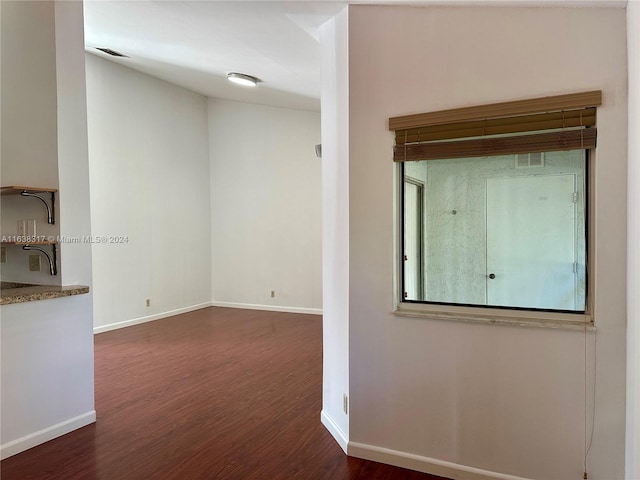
x=446 y=395
x=73 y=163
x=265 y=207
x=47 y=346
x=29 y=97
x=334 y=45
x=149 y=170
x=633 y=245
x=47 y=371
x=175 y=174
x=29 y=135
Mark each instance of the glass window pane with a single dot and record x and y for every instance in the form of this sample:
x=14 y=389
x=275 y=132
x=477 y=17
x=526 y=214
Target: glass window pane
x=505 y=231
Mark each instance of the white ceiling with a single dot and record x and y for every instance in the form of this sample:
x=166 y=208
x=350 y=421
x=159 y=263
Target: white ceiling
x=196 y=43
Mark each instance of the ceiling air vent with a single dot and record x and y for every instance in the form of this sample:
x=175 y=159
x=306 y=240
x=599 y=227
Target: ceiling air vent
x=113 y=53
x=528 y=160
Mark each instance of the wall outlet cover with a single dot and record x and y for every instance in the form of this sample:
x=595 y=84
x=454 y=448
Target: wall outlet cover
x=22 y=228
x=31 y=228
x=34 y=263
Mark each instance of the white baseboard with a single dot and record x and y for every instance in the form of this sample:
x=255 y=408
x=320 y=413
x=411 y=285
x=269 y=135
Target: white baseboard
x=270 y=308
x=419 y=463
x=33 y=439
x=334 y=430
x=150 y=318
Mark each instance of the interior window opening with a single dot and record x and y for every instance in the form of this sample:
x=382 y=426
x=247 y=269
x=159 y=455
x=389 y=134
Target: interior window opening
x=506 y=231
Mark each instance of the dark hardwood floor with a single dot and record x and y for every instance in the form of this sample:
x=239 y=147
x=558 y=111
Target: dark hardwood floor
x=213 y=394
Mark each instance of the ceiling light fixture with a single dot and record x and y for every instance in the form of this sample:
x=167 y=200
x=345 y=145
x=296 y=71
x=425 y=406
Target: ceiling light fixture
x=242 y=79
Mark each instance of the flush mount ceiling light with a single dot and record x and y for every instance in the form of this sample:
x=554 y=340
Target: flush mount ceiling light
x=242 y=79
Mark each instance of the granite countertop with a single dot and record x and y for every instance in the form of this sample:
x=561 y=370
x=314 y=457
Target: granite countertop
x=12 y=292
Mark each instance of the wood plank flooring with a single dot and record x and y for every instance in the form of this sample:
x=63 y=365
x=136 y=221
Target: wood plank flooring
x=213 y=394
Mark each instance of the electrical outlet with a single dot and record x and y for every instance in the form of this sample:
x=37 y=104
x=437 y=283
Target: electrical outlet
x=3 y=254
x=22 y=228
x=345 y=403
x=34 y=263
x=31 y=228
x=148 y=302
x=273 y=294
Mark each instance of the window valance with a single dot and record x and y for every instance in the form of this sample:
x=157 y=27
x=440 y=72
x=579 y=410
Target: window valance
x=562 y=122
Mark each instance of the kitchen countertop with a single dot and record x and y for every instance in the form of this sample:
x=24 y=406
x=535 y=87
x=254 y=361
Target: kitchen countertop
x=12 y=292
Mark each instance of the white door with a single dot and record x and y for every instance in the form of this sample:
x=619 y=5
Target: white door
x=531 y=252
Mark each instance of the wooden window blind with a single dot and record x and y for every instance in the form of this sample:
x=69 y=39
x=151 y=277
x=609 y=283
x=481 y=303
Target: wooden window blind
x=562 y=122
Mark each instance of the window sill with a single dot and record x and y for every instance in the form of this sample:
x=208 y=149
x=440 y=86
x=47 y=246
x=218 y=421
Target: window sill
x=523 y=318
